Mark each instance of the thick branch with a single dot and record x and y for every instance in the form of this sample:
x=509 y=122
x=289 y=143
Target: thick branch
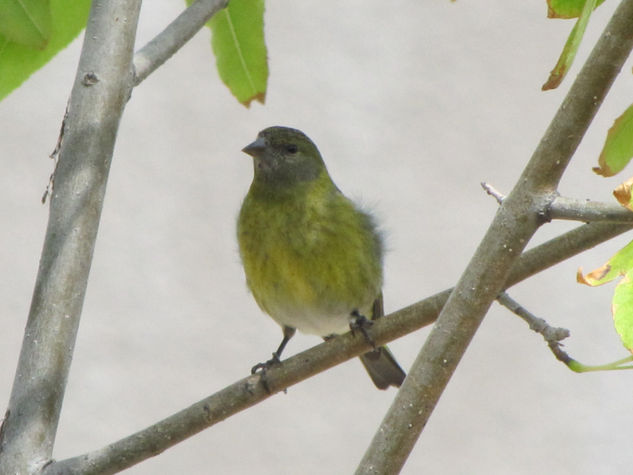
x=102 y=86
x=518 y=218
x=174 y=37
x=588 y=211
x=248 y=392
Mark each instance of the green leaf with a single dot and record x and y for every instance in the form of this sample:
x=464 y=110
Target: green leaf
x=567 y=8
x=18 y=61
x=618 y=147
x=27 y=22
x=240 y=50
x=571 y=46
x=623 y=311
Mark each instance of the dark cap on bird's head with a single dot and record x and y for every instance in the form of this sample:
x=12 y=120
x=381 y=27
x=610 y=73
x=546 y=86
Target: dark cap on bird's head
x=275 y=136
x=282 y=155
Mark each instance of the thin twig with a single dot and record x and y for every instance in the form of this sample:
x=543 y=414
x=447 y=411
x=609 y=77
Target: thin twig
x=492 y=191
x=174 y=37
x=552 y=335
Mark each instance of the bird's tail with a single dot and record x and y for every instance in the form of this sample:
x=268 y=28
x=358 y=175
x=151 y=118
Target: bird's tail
x=383 y=368
x=380 y=363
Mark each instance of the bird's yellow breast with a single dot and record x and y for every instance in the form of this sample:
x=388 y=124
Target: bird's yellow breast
x=311 y=260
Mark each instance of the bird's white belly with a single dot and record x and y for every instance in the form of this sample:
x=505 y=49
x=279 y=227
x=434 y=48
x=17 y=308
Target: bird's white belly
x=314 y=322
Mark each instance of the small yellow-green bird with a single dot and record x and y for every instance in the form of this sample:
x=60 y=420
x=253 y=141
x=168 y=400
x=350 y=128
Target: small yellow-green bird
x=313 y=260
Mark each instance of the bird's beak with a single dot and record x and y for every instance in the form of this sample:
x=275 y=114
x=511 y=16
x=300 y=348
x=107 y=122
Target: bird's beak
x=256 y=148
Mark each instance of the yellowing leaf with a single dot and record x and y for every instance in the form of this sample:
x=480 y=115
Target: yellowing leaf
x=26 y=22
x=621 y=264
x=569 y=50
x=622 y=193
x=595 y=277
x=618 y=146
x=566 y=8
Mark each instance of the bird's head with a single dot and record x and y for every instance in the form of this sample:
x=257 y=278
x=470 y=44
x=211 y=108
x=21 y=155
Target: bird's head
x=284 y=157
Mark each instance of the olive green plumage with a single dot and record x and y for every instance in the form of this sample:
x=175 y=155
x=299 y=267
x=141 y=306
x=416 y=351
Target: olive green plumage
x=311 y=257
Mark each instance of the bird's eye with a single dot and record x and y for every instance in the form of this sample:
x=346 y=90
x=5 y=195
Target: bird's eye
x=291 y=148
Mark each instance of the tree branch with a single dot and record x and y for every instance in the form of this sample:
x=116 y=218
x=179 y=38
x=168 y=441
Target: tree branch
x=248 y=391
x=552 y=335
x=174 y=37
x=587 y=211
x=517 y=219
x=101 y=88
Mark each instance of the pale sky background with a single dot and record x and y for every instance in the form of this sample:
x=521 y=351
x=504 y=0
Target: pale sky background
x=412 y=104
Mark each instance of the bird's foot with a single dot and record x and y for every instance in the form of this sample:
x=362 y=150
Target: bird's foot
x=262 y=368
x=362 y=324
x=267 y=364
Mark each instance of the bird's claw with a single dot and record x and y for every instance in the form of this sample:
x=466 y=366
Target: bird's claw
x=265 y=365
x=262 y=368
x=362 y=324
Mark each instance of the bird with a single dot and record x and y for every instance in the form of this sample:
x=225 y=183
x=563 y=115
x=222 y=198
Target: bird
x=313 y=259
